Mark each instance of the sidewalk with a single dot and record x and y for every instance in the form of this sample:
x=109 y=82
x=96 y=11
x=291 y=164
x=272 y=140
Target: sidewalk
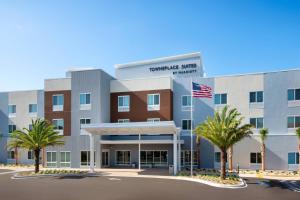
x=259 y=176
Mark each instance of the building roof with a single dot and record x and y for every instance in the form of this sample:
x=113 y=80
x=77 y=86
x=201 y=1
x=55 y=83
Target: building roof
x=159 y=60
x=163 y=127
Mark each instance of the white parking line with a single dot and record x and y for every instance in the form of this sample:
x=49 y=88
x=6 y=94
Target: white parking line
x=114 y=179
x=292 y=185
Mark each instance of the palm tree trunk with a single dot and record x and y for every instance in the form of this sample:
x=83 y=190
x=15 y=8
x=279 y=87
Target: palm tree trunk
x=16 y=156
x=223 y=164
x=43 y=157
x=198 y=152
x=230 y=158
x=263 y=157
x=37 y=160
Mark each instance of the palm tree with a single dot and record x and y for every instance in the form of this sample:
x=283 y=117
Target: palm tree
x=14 y=145
x=224 y=130
x=41 y=135
x=263 y=133
x=230 y=156
x=298 y=135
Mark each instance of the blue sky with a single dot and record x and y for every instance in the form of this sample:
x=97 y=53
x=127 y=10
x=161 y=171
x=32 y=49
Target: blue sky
x=43 y=39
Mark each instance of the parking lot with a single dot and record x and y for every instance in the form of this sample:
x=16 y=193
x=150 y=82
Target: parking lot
x=73 y=188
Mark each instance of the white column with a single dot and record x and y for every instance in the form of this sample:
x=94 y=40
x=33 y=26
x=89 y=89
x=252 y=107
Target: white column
x=100 y=149
x=175 y=153
x=139 y=151
x=92 y=152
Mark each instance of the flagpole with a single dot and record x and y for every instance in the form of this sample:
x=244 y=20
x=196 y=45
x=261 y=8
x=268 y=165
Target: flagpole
x=192 y=127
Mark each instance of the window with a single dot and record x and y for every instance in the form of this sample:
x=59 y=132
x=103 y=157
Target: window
x=158 y=158
x=186 y=157
x=85 y=101
x=220 y=99
x=123 y=158
x=10 y=155
x=293 y=122
x=153 y=102
x=153 y=120
x=58 y=125
x=123 y=120
x=65 y=159
x=30 y=127
x=51 y=159
x=257 y=122
x=58 y=102
x=218 y=157
x=186 y=124
x=12 y=110
x=186 y=101
x=293 y=94
x=32 y=108
x=30 y=155
x=11 y=128
x=293 y=158
x=85 y=158
x=255 y=158
x=85 y=121
x=257 y=97
x=123 y=103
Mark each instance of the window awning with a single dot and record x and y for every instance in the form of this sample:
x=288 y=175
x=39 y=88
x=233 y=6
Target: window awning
x=153 y=128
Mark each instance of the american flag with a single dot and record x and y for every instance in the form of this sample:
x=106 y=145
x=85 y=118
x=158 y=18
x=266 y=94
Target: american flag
x=201 y=91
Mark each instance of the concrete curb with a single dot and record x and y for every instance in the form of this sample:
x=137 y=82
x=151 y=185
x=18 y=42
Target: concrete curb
x=242 y=184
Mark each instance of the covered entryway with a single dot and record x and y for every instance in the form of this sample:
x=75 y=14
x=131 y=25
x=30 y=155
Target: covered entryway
x=141 y=130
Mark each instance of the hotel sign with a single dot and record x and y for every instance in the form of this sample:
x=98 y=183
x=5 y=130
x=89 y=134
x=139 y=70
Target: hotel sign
x=176 y=69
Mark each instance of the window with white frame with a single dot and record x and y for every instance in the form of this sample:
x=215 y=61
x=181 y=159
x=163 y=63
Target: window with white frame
x=186 y=157
x=51 y=158
x=255 y=158
x=153 y=120
x=58 y=102
x=84 y=121
x=257 y=123
x=293 y=94
x=12 y=110
x=220 y=99
x=153 y=102
x=293 y=122
x=158 y=158
x=65 y=159
x=123 y=120
x=186 y=124
x=85 y=158
x=30 y=155
x=58 y=125
x=186 y=102
x=124 y=103
x=293 y=158
x=12 y=128
x=10 y=154
x=85 y=101
x=32 y=108
x=123 y=158
x=256 y=97
x=218 y=157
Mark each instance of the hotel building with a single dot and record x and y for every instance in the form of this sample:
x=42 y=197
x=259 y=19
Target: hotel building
x=142 y=116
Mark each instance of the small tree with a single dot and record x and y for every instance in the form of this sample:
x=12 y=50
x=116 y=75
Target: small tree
x=41 y=135
x=298 y=135
x=263 y=133
x=14 y=145
x=224 y=130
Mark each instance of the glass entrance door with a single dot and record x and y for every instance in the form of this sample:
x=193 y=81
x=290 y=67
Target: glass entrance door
x=105 y=158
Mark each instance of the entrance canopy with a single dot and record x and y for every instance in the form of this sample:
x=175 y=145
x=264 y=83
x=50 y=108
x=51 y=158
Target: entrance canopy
x=153 y=128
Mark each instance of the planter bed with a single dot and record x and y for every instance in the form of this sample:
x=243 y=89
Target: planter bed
x=212 y=175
